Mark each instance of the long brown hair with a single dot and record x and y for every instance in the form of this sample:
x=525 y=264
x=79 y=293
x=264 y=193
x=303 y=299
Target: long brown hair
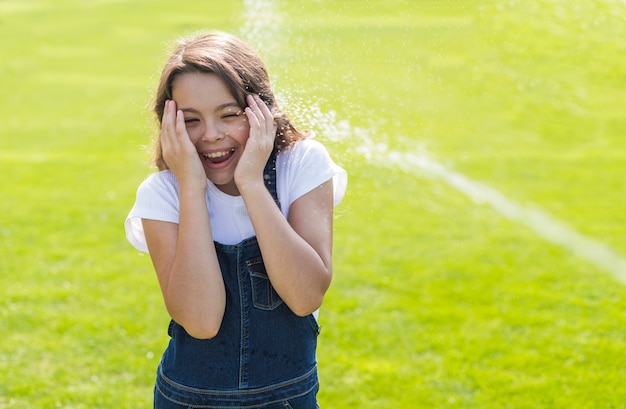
x=237 y=64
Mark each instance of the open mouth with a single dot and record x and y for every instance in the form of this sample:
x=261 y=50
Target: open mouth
x=219 y=157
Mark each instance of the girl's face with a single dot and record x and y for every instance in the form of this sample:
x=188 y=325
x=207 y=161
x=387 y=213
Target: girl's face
x=216 y=125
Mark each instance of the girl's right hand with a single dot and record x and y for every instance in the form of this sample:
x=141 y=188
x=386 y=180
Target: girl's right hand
x=179 y=152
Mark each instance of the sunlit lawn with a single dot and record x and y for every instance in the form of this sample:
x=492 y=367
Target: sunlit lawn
x=437 y=301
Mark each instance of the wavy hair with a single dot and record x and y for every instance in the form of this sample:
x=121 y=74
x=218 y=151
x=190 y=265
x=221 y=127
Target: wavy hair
x=239 y=67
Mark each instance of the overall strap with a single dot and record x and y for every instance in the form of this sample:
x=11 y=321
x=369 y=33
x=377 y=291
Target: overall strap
x=269 y=176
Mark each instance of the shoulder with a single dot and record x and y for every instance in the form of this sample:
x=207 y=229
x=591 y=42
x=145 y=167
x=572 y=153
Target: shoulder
x=164 y=178
x=304 y=149
x=307 y=153
x=157 y=199
x=306 y=165
x=159 y=183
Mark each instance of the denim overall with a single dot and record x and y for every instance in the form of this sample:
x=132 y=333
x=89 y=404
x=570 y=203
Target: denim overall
x=263 y=355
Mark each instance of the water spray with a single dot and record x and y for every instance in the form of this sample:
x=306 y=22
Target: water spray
x=261 y=29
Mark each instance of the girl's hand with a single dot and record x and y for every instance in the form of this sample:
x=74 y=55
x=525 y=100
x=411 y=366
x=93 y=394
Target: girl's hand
x=179 y=152
x=259 y=144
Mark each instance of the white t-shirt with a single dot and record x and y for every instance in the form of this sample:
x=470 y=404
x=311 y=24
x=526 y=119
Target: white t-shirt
x=299 y=170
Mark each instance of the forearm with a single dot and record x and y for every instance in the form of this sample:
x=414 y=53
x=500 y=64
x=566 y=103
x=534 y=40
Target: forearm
x=195 y=289
x=296 y=269
x=184 y=256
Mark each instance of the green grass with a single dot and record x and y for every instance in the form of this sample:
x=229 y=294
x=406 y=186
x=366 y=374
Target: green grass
x=437 y=301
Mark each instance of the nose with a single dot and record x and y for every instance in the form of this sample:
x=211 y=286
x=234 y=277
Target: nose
x=212 y=133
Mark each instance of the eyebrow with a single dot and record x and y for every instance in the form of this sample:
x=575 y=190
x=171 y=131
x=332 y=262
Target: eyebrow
x=228 y=105
x=219 y=108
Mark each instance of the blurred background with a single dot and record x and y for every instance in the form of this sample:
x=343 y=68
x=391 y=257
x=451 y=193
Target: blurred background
x=480 y=252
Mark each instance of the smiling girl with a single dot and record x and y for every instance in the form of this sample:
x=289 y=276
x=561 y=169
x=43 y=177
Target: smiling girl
x=238 y=224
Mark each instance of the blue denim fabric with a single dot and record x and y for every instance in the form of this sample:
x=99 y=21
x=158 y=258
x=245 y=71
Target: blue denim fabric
x=263 y=355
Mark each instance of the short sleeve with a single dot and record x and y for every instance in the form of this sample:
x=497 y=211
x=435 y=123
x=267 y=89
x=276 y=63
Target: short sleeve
x=306 y=166
x=157 y=199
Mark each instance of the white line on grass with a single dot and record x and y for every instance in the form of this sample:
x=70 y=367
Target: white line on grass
x=538 y=220
x=262 y=29
x=546 y=226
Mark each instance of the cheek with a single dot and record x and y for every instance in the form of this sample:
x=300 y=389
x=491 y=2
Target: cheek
x=242 y=133
x=195 y=134
x=244 y=139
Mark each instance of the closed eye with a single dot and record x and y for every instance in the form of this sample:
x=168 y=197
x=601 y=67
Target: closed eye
x=231 y=114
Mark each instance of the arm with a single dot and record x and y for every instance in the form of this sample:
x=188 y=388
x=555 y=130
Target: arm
x=189 y=274
x=296 y=252
x=184 y=255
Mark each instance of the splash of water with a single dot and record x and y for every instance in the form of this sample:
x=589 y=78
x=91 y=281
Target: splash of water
x=261 y=29
x=376 y=151
x=261 y=26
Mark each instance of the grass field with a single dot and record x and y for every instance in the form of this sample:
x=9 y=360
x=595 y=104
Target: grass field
x=438 y=300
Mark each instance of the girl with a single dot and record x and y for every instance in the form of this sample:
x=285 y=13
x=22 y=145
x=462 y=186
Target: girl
x=238 y=224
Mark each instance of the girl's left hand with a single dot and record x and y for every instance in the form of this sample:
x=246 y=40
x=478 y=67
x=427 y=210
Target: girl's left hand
x=259 y=144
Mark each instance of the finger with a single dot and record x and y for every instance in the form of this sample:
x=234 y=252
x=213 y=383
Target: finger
x=252 y=113
x=262 y=113
x=265 y=110
x=254 y=108
x=169 y=115
x=166 y=124
x=265 y=115
x=181 y=129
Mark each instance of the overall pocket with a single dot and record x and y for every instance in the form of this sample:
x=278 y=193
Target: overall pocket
x=264 y=297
